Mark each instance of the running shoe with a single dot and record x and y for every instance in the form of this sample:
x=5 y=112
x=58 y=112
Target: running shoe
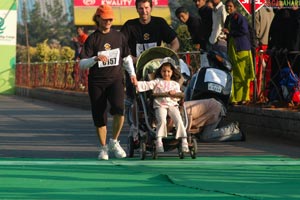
x=116 y=149
x=103 y=154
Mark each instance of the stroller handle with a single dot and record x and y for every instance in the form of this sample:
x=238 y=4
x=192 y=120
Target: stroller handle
x=166 y=94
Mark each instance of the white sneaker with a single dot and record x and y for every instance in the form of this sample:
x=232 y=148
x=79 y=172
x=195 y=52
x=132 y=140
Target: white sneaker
x=235 y=127
x=116 y=149
x=103 y=154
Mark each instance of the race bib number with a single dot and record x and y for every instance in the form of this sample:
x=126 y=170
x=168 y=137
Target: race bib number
x=140 y=48
x=113 y=57
x=214 y=87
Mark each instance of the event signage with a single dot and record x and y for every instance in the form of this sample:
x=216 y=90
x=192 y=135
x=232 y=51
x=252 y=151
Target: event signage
x=8 y=38
x=247 y=5
x=7 y=29
x=123 y=10
x=116 y=2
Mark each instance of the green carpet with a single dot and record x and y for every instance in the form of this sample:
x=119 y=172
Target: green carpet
x=265 y=177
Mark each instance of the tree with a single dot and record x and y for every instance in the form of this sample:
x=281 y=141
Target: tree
x=49 y=34
x=58 y=23
x=37 y=26
x=53 y=25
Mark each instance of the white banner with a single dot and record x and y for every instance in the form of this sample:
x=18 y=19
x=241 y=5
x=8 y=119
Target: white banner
x=8 y=39
x=8 y=28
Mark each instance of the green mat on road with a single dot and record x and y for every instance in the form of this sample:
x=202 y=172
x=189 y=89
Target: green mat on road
x=259 y=177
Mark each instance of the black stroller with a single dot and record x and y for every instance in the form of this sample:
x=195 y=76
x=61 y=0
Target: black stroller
x=143 y=138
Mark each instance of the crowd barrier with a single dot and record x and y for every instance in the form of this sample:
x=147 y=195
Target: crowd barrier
x=57 y=75
x=68 y=75
x=269 y=76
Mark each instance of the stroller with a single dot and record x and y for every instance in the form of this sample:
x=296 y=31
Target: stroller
x=144 y=137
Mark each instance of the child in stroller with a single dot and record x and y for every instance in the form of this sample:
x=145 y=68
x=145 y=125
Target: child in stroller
x=162 y=94
x=166 y=82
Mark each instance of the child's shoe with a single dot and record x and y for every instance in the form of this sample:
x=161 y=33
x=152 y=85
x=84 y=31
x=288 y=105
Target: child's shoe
x=185 y=147
x=159 y=147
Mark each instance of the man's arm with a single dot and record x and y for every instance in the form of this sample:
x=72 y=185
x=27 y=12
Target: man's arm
x=174 y=45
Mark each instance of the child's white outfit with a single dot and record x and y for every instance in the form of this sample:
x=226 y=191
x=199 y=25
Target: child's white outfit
x=165 y=105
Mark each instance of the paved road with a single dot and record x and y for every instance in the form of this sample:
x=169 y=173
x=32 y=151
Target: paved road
x=38 y=129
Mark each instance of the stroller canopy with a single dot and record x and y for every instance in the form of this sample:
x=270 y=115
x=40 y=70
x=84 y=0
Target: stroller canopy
x=150 y=59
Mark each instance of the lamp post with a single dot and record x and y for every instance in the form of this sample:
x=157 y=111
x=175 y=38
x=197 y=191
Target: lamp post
x=254 y=50
x=27 y=41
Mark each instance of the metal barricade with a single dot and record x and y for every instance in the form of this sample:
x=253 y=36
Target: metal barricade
x=68 y=75
x=57 y=75
x=191 y=58
x=278 y=59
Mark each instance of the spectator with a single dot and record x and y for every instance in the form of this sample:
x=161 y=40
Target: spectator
x=206 y=109
x=239 y=53
x=263 y=20
x=143 y=33
x=103 y=53
x=205 y=13
x=79 y=41
x=205 y=116
x=217 y=38
x=194 y=25
x=284 y=35
x=283 y=31
x=210 y=4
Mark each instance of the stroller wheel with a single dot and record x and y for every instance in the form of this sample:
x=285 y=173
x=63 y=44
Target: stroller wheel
x=130 y=147
x=193 y=149
x=142 y=150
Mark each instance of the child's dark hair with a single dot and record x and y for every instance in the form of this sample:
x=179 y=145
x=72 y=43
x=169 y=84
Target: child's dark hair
x=176 y=76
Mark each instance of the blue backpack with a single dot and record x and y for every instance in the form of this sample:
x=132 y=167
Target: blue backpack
x=290 y=85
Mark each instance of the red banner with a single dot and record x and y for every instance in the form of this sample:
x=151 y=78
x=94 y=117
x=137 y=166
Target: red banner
x=116 y=2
